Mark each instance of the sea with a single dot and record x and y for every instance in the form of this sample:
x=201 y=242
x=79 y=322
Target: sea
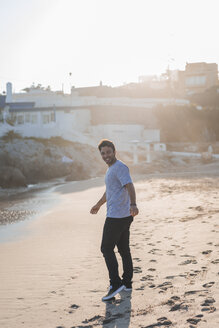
x=20 y=205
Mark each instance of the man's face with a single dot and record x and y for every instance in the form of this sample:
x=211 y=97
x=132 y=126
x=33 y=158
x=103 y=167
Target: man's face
x=108 y=155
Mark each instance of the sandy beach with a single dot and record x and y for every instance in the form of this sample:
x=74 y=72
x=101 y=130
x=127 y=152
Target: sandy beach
x=53 y=274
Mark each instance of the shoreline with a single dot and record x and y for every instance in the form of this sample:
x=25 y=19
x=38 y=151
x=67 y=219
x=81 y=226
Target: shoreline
x=20 y=209
x=17 y=205
x=23 y=203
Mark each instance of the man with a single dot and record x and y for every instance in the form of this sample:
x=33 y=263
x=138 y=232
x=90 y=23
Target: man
x=121 y=208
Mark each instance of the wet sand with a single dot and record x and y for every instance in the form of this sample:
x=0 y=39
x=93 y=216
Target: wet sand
x=55 y=276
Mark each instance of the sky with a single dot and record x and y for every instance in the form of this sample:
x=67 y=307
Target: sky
x=64 y=43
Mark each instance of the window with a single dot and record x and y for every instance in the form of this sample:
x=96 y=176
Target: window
x=20 y=119
x=33 y=119
x=46 y=119
x=27 y=118
x=52 y=117
x=195 y=80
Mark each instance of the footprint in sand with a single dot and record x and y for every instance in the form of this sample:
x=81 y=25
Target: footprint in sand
x=199 y=208
x=170 y=253
x=172 y=299
x=165 y=285
x=137 y=270
x=194 y=273
x=195 y=319
x=186 y=255
x=179 y=306
x=207 y=252
x=151 y=269
x=209 y=309
x=170 y=277
x=192 y=292
x=142 y=312
x=73 y=307
x=151 y=286
x=188 y=262
x=215 y=261
x=177 y=246
x=208 y=301
x=154 y=250
x=207 y=306
x=163 y=321
x=148 y=277
x=141 y=287
x=209 y=284
x=137 y=259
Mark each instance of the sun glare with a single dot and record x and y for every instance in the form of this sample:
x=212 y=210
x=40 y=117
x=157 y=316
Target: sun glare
x=112 y=41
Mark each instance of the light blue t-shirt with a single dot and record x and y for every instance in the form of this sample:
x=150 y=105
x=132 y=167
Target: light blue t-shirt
x=117 y=196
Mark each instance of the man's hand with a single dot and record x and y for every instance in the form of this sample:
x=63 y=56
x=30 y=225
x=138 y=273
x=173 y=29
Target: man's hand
x=95 y=209
x=133 y=207
x=98 y=205
x=133 y=210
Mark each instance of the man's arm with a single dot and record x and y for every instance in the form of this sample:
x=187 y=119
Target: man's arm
x=96 y=207
x=133 y=207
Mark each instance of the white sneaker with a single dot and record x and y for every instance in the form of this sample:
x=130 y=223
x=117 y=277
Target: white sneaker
x=112 y=292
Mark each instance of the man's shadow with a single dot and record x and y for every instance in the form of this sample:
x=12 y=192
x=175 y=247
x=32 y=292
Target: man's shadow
x=118 y=311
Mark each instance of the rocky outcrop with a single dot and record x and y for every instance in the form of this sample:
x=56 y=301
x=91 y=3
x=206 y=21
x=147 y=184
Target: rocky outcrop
x=78 y=172
x=11 y=177
x=27 y=160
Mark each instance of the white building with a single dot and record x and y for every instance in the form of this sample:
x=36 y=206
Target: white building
x=47 y=98
x=43 y=114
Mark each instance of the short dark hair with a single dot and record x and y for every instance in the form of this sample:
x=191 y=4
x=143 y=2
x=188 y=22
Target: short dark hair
x=106 y=142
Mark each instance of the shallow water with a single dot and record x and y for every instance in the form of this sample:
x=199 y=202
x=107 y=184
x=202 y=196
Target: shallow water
x=18 y=207
x=18 y=193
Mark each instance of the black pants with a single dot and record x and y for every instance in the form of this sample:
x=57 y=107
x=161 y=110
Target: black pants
x=116 y=233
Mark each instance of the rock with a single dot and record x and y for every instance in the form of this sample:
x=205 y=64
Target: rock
x=78 y=172
x=42 y=159
x=11 y=177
